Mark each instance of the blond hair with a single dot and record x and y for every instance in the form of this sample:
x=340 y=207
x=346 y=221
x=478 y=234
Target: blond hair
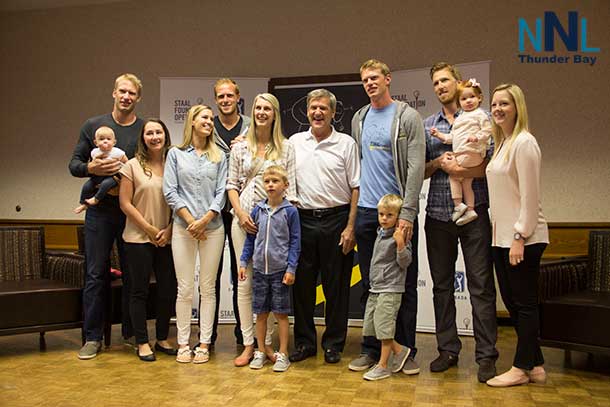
x=278 y=171
x=392 y=202
x=375 y=64
x=226 y=81
x=131 y=78
x=277 y=137
x=104 y=129
x=210 y=149
x=521 y=122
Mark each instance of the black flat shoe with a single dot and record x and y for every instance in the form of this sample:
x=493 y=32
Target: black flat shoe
x=167 y=351
x=332 y=356
x=146 y=358
x=301 y=353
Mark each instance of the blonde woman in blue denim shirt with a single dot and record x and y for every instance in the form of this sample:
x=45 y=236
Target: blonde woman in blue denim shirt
x=194 y=187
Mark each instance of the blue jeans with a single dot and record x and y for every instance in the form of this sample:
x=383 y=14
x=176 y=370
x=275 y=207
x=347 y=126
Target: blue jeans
x=104 y=224
x=406 y=321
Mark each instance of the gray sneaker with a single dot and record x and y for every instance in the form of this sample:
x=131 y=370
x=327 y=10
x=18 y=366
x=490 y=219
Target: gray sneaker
x=259 y=360
x=361 y=363
x=89 y=350
x=377 y=373
x=411 y=367
x=281 y=362
x=397 y=361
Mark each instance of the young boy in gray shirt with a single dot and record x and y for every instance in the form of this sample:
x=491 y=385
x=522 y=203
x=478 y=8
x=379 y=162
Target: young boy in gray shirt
x=388 y=272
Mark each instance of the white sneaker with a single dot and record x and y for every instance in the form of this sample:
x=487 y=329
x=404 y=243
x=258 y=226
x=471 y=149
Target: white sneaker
x=259 y=360
x=458 y=211
x=281 y=362
x=468 y=217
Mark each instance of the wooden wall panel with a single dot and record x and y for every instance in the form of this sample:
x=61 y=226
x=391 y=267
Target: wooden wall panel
x=567 y=239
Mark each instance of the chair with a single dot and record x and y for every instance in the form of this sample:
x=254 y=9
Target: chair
x=575 y=300
x=39 y=291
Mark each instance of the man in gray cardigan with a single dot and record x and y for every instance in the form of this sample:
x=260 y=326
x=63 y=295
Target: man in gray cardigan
x=391 y=144
x=229 y=127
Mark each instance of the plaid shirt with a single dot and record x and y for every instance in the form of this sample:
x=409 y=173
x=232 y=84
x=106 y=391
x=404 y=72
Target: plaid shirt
x=440 y=205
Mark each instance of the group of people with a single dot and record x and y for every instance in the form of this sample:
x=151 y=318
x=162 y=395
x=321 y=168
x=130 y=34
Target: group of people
x=293 y=211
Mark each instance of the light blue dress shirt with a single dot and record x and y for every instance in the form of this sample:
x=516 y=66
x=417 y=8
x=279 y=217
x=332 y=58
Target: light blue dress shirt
x=194 y=183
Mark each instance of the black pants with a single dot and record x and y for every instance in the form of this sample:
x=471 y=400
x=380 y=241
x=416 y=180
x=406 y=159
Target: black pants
x=442 y=246
x=519 y=289
x=322 y=255
x=143 y=259
x=406 y=320
x=104 y=225
x=227 y=219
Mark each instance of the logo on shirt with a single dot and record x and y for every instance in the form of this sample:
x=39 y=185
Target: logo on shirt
x=378 y=138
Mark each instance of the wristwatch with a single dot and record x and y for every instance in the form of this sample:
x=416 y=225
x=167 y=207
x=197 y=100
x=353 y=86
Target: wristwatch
x=518 y=236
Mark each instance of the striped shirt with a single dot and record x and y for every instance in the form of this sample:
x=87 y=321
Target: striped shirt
x=241 y=164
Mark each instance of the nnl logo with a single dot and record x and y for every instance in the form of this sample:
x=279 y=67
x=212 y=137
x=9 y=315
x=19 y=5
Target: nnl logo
x=569 y=37
x=552 y=25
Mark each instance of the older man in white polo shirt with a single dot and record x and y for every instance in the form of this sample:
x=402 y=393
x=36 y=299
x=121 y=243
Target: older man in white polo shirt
x=328 y=180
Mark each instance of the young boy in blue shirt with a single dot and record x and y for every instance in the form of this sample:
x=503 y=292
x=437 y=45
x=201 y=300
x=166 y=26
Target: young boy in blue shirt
x=274 y=251
x=388 y=273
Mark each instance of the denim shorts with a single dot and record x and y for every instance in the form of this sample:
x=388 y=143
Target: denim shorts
x=380 y=315
x=270 y=294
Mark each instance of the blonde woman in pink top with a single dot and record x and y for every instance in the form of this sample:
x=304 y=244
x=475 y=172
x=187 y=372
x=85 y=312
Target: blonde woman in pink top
x=520 y=232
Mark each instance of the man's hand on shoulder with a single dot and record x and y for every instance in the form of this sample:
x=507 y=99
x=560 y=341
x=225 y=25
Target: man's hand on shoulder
x=237 y=139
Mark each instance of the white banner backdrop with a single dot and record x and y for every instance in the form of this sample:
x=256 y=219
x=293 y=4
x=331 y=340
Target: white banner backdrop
x=177 y=96
x=415 y=87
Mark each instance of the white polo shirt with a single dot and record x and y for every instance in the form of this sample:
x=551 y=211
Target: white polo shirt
x=326 y=172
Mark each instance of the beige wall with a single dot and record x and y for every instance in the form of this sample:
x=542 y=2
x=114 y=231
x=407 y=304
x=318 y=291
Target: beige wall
x=58 y=66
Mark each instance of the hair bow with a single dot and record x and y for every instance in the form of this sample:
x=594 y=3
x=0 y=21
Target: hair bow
x=473 y=82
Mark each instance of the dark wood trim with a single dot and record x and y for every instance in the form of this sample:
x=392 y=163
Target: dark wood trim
x=11 y=222
x=568 y=239
x=303 y=80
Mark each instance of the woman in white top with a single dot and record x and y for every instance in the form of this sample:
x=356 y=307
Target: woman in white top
x=147 y=236
x=520 y=232
x=194 y=187
x=264 y=145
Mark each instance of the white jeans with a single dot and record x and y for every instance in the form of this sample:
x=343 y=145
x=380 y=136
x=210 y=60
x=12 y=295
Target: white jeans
x=244 y=291
x=184 y=249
